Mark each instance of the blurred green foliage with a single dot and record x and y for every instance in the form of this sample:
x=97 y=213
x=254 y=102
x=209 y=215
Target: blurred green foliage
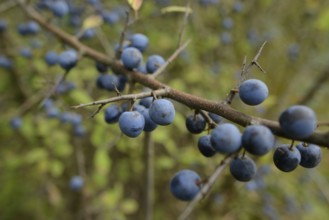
x=38 y=160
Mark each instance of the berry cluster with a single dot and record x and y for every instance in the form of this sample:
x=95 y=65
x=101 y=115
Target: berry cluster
x=149 y=113
x=257 y=140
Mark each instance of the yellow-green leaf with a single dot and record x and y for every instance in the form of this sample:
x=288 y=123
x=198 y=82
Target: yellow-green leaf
x=322 y=22
x=171 y=9
x=92 y=22
x=135 y=4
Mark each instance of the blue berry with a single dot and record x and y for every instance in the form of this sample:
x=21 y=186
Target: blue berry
x=146 y=102
x=253 y=91
x=112 y=114
x=298 y=121
x=76 y=183
x=205 y=147
x=131 y=58
x=22 y=29
x=64 y=87
x=16 y=123
x=88 y=33
x=32 y=27
x=149 y=124
x=125 y=45
x=110 y=17
x=310 y=155
x=163 y=3
x=293 y=51
x=226 y=38
x=131 y=123
x=52 y=112
x=243 y=168
x=75 y=21
x=51 y=58
x=216 y=118
x=195 y=123
x=25 y=52
x=5 y=62
x=102 y=68
x=208 y=2
x=286 y=159
x=153 y=63
x=228 y=23
x=3 y=25
x=66 y=117
x=162 y=112
x=258 y=139
x=142 y=68
x=79 y=130
x=76 y=119
x=122 y=81
x=59 y=8
x=107 y=81
x=139 y=41
x=48 y=103
x=238 y=7
x=185 y=185
x=226 y=138
x=68 y=59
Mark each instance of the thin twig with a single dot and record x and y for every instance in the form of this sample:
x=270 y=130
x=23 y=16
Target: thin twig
x=31 y=102
x=103 y=40
x=80 y=159
x=7 y=5
x=170 y=60
x=183 y=26
x=324 y=123
x=141 y=95
x=100 y=107
x=321 y=183
x=55 y=87
x=122 y=37
x=149 y=171
x=206 y=187
x=317 y=85
x=211 y=123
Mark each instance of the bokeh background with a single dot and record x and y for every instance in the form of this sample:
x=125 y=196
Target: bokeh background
x=39 y=157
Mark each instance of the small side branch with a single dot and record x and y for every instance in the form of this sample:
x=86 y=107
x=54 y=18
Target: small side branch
x=159 y=92
x=7 y=5
x=206 y=187
x=149 y=171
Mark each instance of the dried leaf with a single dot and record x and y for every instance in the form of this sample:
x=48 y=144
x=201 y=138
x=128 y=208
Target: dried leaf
x=170 y=9
x=135 y=4
x=92 y=22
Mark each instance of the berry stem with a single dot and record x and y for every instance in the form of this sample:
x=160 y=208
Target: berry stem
x=292 y=145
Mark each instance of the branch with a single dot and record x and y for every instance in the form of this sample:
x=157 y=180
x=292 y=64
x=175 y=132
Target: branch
x=183 y=26
x=7 y=5
x=159 y=92
x=149 y=173
x=319 y=82
x=194 y=102
x=206 y=187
